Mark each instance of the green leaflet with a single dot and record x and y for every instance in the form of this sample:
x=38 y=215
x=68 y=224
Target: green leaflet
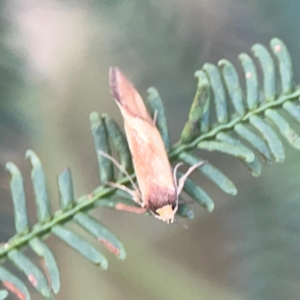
x=199 y=110
x=198 y=194
x=66 y=190
x=204 y=89
x=254 y=166
x=120 y=143
x=284 y=127
x=102 y=234
x=18 y=196
x=81 y=246
x=251 y=80
x=229 y=149
x=254 y=140
x=49 y=262
x=285 y=65
x=14 y=284
x=268 y=69
x=211 y=172
x=233 y=87
x=157 y=107
x=293 y=110
x=39 y=187
x=270 y=136
x=106 y=170
x=218 y=91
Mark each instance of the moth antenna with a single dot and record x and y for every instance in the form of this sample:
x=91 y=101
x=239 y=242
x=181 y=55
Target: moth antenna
x=120 y=167
x=188 y=172
x=175 y=180
x=174 y=172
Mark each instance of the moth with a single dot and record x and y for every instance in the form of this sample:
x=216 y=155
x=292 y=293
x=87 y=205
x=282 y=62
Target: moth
x=158 y=189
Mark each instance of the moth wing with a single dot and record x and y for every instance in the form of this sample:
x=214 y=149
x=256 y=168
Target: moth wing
x=151 y=163
x=127 y=96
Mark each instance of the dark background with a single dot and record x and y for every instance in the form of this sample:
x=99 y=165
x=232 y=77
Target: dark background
x=54 y=60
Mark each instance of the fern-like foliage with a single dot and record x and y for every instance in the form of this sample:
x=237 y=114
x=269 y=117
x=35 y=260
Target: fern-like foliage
x=251 y=115
x=220 y=109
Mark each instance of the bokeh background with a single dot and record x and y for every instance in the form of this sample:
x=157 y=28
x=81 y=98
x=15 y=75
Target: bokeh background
x=54 y=59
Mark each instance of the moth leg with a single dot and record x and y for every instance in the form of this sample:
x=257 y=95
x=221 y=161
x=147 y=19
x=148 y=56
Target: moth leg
x=185 y=176
x=120 y=167
x=133 y=209
x=155 y=117
x=133 y=193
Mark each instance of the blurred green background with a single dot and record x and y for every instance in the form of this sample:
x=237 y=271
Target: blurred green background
x=54 y=60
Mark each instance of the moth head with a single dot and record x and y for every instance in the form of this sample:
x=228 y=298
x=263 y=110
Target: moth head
x=166 y=213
